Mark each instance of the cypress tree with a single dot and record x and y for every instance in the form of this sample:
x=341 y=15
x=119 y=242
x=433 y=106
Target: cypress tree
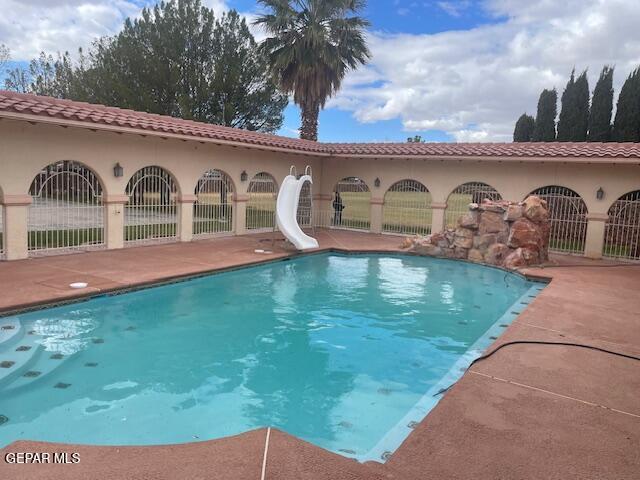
x=566 y=114
x=545 y=123
x=524 y=128
x=574 y=115
x=626 y=126
x=601 y=108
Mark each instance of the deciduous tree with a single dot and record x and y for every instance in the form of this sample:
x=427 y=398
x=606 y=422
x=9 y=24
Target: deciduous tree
x=175 y=59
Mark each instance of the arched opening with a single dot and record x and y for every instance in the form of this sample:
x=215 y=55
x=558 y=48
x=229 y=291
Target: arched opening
x=150 y=216
x=407 y=208
x=213 y=209
x=305 y=207
x=261 y=205
x=622 y=230
x=567 y=218
x=67 y=211
x=351 y=204
x=460 y=198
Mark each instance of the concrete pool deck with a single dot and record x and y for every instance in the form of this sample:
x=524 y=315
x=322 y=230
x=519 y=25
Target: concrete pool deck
x=528 y=412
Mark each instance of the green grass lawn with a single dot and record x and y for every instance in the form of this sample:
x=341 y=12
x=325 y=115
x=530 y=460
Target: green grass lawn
x=64 y=238
x=569 y=246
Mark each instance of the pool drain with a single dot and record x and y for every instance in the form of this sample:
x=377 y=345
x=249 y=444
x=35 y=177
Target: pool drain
x=3 y=419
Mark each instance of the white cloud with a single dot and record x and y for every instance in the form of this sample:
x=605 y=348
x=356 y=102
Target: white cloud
x=474 y=84
x=31 y=26
x=40 y=25
x=454 y=8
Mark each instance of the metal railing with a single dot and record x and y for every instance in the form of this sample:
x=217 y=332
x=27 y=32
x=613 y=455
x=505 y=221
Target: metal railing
x=213 y=209
x=407 y=209
x=305 y=206
x=567 y=218
x=622 y=230
x=261 y=206
x=150 y=216
x=459 y=200
x=351 y=204
x=66 y=213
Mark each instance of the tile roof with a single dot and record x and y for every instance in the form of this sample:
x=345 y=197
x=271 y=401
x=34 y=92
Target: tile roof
x=93 y=114
x=26 y=105
x=520 y=150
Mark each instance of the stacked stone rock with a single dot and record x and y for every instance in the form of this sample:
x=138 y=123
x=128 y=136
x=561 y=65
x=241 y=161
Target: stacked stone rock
x=502 y=233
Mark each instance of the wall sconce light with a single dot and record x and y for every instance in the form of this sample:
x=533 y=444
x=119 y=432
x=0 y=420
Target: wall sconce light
x=118 y=171
x=244 y=176
x=600 y=194
x=376 y=182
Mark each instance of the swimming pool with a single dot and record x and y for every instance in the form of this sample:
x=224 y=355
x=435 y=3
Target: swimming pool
x=344 y=351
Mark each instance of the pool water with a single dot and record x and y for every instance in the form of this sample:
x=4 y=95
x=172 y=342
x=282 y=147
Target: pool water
x=344 y=351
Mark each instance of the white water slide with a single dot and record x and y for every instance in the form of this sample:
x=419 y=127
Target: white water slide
x=287 y=211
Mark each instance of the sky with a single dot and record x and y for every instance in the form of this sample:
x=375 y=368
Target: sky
x=457 y=70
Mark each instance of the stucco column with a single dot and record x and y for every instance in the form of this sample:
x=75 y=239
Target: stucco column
x=185 y=217
x=15 y=234
x=114 y=220
x=240 y=213
x=322 y=209
x=437 y=216
x=376 y=214
x=595 y=235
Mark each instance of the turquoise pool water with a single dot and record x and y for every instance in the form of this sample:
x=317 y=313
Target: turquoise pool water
x=344 y=351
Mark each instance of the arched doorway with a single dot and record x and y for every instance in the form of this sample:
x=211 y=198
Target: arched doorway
x=352 y=205
x=305 y=207
x=261 y=206
x=213 y=209
x=407 y=208
x=460 y=198
x=150 y=216
x=567 y=217
x=622 y=230
x=67 y=211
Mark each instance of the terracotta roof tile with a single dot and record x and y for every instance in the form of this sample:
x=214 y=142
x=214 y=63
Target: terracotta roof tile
x=90 y=114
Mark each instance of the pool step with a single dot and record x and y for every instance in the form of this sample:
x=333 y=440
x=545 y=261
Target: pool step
x=10 y=331
x=16 y=359
x=45 y=363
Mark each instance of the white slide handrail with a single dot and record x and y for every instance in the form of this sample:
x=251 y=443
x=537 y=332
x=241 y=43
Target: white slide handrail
x=287 y=211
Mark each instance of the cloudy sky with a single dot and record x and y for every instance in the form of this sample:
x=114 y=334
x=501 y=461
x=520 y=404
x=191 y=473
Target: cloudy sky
x=458 y=70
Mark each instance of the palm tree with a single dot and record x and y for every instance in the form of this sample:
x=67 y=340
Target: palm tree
x=311 y=45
